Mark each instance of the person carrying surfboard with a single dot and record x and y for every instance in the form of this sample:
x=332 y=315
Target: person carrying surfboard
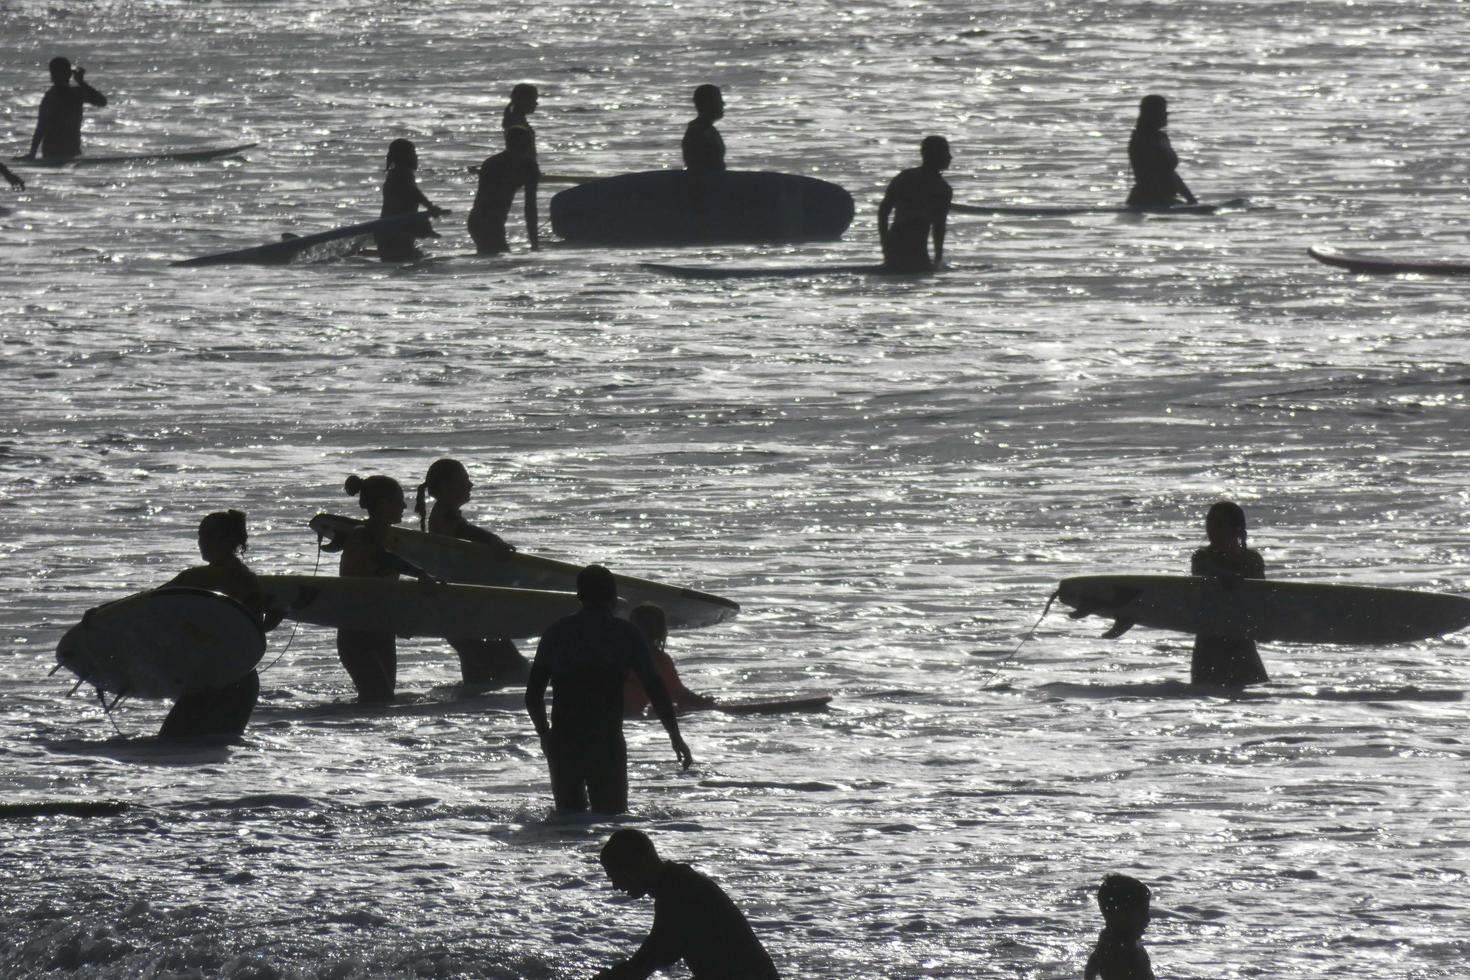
x=371 y=659
x=1119 y=953
x=585 y=658
x=653 y=624
x=693 y=919
x=1156 y=181
x=481 y=661
x=58 y=133
x=501 y=176
x=1227 y=661
x=524 y=98
x=224 y=711
x=918 y=200
x=401 y=195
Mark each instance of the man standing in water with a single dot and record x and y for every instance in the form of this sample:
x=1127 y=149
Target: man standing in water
x=59 y=124
x=693 y=919
x=500 y=177
x=586 y=658
x=703 y=147
x=921 y=197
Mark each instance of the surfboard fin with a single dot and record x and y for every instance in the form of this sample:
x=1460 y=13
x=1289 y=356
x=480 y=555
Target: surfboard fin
x=1119 y=627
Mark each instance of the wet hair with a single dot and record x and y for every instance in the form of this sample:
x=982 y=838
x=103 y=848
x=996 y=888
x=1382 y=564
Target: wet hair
x=649 y=617
x=401 y=153
x=523 y=92
x=1152 y=111
x=227 y=525
x=705 y=94
x=1229 y=515
x=932 y=148
x=372 y=489
x=439 y=471
x=519 y=135
x=60 y=69
x=628 y=846
x=1121 y=893
x=596 y=586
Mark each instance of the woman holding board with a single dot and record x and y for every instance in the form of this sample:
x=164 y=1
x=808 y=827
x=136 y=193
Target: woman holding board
x=1226 y=661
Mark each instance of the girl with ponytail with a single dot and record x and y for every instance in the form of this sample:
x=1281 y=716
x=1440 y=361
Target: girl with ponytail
x=1226 y=661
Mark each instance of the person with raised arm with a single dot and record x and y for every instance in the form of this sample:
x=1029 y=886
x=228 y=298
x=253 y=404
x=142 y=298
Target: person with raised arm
x=918 y=202
x=1156 y=181
x=58 y=133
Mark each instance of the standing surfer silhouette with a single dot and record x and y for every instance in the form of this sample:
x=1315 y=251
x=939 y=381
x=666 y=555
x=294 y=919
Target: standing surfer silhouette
x=1226 y=661
x=1156 y=182
x=58 y=133
x=401 y=195
x=918 y=201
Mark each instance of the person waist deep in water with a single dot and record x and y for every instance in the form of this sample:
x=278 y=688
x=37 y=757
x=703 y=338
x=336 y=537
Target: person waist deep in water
x=222 y=711
x=493 y=660
x=501 y=175
x=58 y=134
x=1156 y=181
x=917 y=201
x=1229 y=661
x=653 y=624
x=401 y=195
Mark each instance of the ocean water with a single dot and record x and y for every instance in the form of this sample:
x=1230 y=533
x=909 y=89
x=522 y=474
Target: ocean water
x=890 y=477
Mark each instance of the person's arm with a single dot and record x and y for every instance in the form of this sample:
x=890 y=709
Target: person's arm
x=89 y=94
x=884 y=210
x=536 y=693
x=532 y=232
x=1184 y=190
x=388 y=559
x=940 y=220
x=43 y=117
x=658 y=695
x=14 y=181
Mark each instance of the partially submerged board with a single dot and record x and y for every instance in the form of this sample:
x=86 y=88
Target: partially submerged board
x=157 y=156
x=1283 y=612
x=1044 y=211
x=657 y=208
x=479 y=564
x=770 y=272
x=297 y=246
x=778 y=706
x=1387 y=264
x=163 y=643
x=405 y=607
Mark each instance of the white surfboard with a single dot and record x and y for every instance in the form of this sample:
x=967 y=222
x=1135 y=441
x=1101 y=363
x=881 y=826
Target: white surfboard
x=163 y=643
x=405 y=607
x=478 y=564
x=1266 y=610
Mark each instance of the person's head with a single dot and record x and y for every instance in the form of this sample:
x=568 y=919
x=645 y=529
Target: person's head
x=1225 y=525
x=1124 y=904
x=222 y=536
x=519 y=140
x=597 y=588
x=524 y=97
x=1153 y=112
x=649 y=617
x=380 y=496
x=631 y=862
x=447 y=482
x=709 y=101
x=60 y=69
x=934 y=151
x=402 y=155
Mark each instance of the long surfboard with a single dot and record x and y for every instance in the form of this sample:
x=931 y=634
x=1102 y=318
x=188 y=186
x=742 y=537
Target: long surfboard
x=777 y=706
x=156 y=156
x=1387 y=264
x=405 y=607
x=656 y=208
x=290 y=249
x=163 y=643
x=1275 y=611
x=768 y=272
x=478 y=564
x=1059 y=211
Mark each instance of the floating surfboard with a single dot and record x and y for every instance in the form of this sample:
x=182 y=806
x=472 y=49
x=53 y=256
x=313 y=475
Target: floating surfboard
x=478 y=564
x=163 y=643
x=654 y=208
x=157 y=156
x=1042 y=211
x=405 y=607
x=768 y=272
x=289 y=249
x=780 y=706
x=1387 y=264
x=1274 y=611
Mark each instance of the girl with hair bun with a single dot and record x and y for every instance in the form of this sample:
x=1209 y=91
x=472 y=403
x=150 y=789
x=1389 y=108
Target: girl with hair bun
x=492 y=660
x=223 y=711
x=371 y=659
x=1226 y=661
x=401 y=195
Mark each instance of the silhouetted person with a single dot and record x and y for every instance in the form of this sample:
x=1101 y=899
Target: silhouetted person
x=1229 y=661
x=918 y=199
x=653 y=624
x=586 y=657
x=1119 y=954
x=693 y=919
x=401 y=195
x=1155 y=180
x=59 y=123
x=703 y=147
x=524 y=98
x=501 y=176
x=15 y=182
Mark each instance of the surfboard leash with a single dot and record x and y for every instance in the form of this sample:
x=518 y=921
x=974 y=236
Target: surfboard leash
x=1026 y=636
x=296 y=624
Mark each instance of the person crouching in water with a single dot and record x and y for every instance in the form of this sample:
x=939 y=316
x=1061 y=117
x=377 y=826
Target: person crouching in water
x=225 y=711
x=651 y=622
x=501 y=176
x=1119 y=954
x=1226 y=661
x=401 y=195
x=918 y=199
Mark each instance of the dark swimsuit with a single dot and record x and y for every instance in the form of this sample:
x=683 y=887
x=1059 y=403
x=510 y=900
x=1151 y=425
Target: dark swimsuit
x=1226 y=661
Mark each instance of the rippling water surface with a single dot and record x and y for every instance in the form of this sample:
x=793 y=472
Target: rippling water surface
x=889 y=476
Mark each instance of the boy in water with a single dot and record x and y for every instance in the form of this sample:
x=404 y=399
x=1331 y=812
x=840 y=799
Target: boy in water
x=501 y=176
x=1119 y=954
x=921 y=198
x=59 y=124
